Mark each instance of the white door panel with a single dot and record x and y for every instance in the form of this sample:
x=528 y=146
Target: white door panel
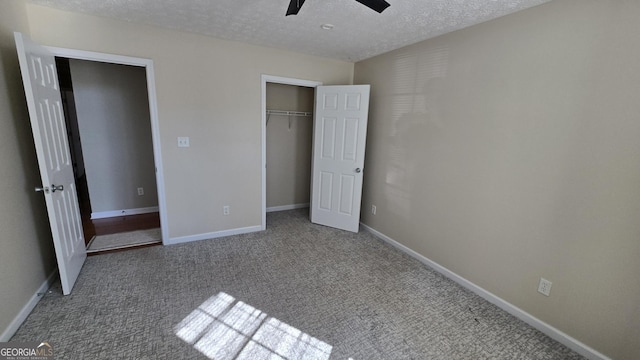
x=340 y=130
x=42 y=92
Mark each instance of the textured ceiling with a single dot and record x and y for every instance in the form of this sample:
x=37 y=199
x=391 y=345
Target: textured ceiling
x=359 y=32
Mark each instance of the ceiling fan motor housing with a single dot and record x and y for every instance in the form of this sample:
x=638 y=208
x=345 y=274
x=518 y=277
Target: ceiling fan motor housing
x=375 y=5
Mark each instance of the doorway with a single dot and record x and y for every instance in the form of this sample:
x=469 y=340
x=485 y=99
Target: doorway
x=287 y=118
x=109 y=131
x=288 y=144
x=123 y=219
x=339 y=142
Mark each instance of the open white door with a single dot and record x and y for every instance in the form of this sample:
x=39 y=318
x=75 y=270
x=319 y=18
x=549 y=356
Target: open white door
x=339 y=136
x=40 y=80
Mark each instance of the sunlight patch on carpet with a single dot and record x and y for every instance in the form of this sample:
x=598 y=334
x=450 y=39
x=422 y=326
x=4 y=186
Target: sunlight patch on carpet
x=225 y=328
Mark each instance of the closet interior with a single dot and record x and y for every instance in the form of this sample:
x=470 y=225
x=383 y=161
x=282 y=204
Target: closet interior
x=288 y=143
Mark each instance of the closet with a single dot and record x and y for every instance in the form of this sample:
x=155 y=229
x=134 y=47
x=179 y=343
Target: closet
x=289 y=134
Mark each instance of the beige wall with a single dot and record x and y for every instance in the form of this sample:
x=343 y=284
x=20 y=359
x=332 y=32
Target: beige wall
x=26 y=251
x=289 y=148
x=510 y=151
x=115 y=127
x=209 y=90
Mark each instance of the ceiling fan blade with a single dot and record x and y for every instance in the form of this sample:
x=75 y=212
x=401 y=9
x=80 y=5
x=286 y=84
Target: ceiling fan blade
x=294 y=7
x=376 y=5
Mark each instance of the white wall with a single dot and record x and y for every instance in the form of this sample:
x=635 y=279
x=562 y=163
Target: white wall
x=510 y=151
x=115 y=130
x=289 y=148
x=207 y=89
x=26 y=248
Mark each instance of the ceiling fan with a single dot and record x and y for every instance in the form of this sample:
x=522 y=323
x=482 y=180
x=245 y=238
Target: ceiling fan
x=376 y=5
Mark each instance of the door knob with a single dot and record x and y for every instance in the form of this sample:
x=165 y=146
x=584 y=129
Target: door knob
x=43 y=189
x=53 y=189
x=358 y=170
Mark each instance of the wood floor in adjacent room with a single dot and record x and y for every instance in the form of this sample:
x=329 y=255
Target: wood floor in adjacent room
x=121 y=224
x=111 y=225
x=118 y=225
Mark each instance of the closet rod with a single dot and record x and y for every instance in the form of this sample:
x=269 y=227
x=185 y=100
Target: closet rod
x=290 y=114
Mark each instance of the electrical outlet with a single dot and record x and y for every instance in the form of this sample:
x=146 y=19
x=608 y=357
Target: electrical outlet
x=183 y=141
x=140 y=191
x=373 y=209
x=544 y=287
x=226 y=210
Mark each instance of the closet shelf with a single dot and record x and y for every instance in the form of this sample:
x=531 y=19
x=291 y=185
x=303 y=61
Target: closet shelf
x=290 y=114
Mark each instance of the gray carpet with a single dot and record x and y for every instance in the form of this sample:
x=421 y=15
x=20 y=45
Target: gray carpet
x=321 y=291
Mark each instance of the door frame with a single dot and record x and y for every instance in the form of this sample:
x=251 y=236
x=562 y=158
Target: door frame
x=147 y=64
x=277 y=80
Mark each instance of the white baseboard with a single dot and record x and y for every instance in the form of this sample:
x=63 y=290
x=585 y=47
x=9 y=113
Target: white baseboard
x=28 y=307
x=287 y=207
x=545 y=328
x=213 y=235
x=123 y=212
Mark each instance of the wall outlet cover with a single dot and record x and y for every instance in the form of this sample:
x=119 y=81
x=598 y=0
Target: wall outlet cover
x=183 y=141
x=544 y=287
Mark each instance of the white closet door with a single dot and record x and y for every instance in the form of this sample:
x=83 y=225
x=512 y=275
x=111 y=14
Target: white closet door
x=339 y=137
